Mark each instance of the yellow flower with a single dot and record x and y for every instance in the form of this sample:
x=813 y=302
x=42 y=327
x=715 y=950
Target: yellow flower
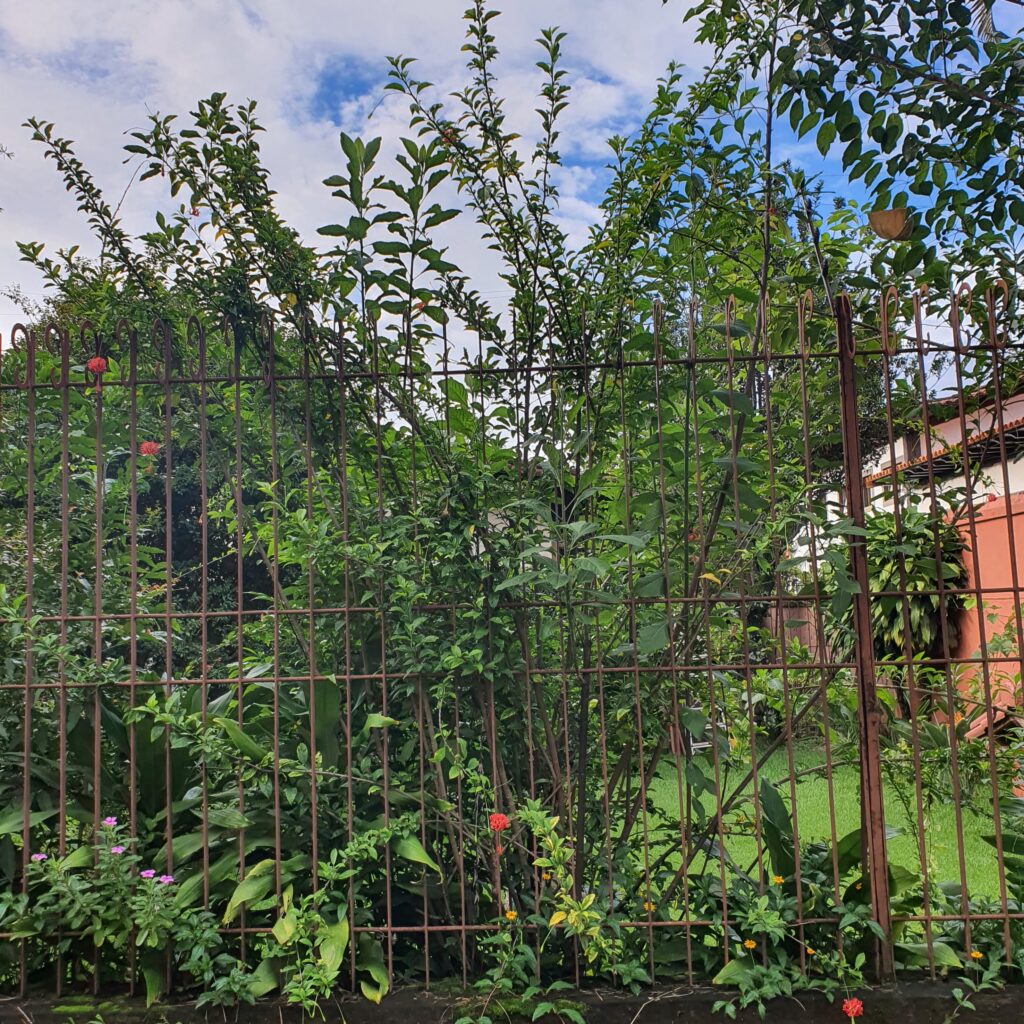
x=749 y=944
x=546 y=877
x=976 y=954
x=648 y=906
x=510 y=915
x=733 y=742
x=958 y=718
x=857 y=886
x=777 y=879
x=811 y=951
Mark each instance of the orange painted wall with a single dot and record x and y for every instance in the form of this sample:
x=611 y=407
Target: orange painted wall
x=991 y=567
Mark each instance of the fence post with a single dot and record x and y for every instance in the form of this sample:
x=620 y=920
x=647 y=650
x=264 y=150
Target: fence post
x=871 y=797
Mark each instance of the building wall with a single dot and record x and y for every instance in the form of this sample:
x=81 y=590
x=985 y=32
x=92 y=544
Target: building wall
x=995 y=571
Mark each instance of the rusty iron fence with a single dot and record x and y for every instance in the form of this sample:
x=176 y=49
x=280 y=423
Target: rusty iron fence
x=296 y=629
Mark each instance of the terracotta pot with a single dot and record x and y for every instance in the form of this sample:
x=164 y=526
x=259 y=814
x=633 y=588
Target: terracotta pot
x=895 y=225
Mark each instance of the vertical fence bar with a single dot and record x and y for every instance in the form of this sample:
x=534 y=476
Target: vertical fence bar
x=30 y=531
x=871 y=794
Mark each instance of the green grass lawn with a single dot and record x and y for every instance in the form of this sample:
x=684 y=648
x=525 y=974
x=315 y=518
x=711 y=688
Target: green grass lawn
x=813 y=820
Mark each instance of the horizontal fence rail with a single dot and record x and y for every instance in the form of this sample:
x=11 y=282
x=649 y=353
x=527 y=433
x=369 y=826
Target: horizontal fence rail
x=458 y=658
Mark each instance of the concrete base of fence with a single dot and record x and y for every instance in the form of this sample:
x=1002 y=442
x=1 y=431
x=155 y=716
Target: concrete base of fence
x=919 y=1003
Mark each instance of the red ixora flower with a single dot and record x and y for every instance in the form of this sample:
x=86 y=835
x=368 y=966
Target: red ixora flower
x=149 y=448
x=97 y=365
x=853 y=1008
x=498 y=823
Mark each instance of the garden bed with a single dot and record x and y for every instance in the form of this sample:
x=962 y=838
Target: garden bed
x=922 y=1003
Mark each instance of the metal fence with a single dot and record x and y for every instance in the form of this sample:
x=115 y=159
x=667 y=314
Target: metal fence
x=309 y=637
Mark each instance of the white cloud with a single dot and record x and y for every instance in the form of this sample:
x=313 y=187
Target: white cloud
x=98 y=69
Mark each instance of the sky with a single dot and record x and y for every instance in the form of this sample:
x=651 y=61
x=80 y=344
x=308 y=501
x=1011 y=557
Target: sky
x=315 y=67
x=99 y=69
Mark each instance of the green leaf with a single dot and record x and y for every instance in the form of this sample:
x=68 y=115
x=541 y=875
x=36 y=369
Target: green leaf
x=1012 y=842
x=334 y=943
x=285 y=928
x=695 y=722
x=11 y=819
x=326 y=711
x=264 y=979
x=376 y=721
x=375 y=993
x=220 y=870
x=410 y=848
x=635 y=540
x=848 y=852
x=515 y=581
x=778 y=829
x=915 y=954
x=595 y=566
x=256 y=884
x=439 y=218
x=153 y=976
x=737 y=400
x=226 y=817
x=240 y=740
x=652 y=638
x=735 y=972
x=80 y=858
x=826 y=136
x=390 y=248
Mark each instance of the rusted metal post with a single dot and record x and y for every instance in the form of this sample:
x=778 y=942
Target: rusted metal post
x=872 y=801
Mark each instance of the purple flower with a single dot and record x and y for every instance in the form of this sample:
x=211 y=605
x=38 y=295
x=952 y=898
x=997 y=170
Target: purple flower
x=166 y=879
x=38 y=857
x=110 y=822
x=117 y=849
x=148 y=873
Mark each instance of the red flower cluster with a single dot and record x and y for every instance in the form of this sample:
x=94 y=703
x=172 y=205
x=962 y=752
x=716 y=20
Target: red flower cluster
x=97 y=365
x=853 y=1008
x=149 y=448
x=498 y=823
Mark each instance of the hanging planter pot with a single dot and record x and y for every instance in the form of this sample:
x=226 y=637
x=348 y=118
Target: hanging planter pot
x=894 y=225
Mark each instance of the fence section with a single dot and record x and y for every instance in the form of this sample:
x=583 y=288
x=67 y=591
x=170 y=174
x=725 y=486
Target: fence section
x=416 y=658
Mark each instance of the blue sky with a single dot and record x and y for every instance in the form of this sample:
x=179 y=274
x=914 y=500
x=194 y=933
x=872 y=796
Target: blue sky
x=98 y=70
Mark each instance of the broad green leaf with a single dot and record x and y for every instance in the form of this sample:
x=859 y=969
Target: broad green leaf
x=253 y=887
x=778 y=829
x=652 y=638
x=153 y=973
x=264 y=979
x=326 y=711
x=80 y=858
x=695 y=722
x=735 y=972
x=247 y=746
x=410 y=848
x=597 y=567
x=11 y=822
x=915 y=954
x=226 y=817
x=285 y=928
x=635 y=540
x=334 y=943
